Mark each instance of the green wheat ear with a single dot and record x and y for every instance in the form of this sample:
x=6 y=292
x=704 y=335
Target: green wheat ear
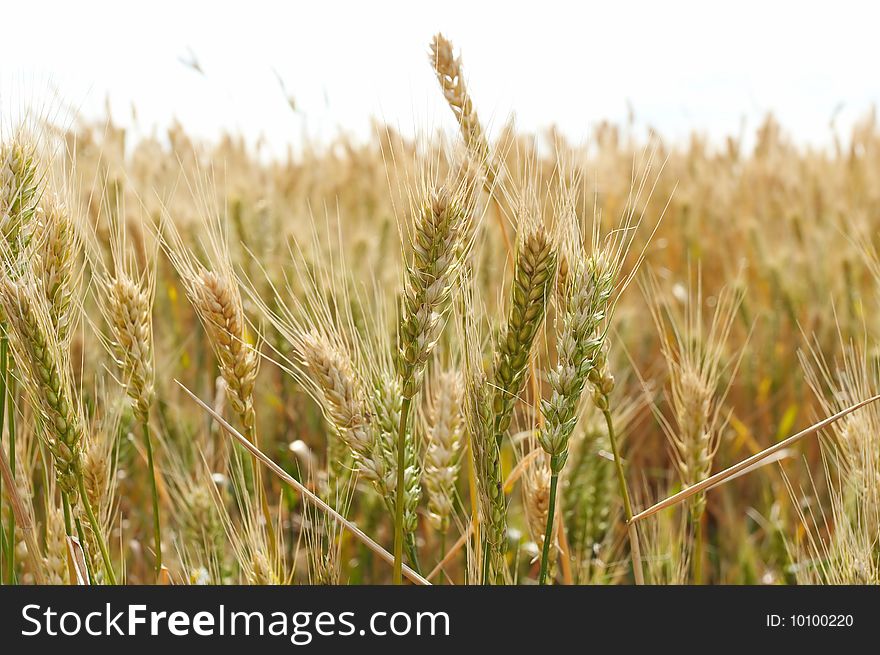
x=43 y=365
x=533 y=276
x=584 y=302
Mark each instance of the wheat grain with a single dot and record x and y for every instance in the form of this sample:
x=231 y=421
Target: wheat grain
x=217 y=300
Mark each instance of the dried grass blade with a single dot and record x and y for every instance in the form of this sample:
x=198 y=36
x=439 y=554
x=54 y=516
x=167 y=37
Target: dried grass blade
x=723 y=476
x=76 y=560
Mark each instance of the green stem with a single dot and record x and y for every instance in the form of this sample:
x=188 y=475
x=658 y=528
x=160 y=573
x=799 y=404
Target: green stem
x=412 y=553
x=81 y=535
x=157 y=526
x=486 y=561
x=440 y=577
x=8 y=397
x=264 y=506
x=551 y=510
x=4 y=345
x=635 y=551
x=65 y=504
x=397 y=577
x=698 y=550
x=4 y=364
x=10 y=411
x=96 y=528
x=254 y=481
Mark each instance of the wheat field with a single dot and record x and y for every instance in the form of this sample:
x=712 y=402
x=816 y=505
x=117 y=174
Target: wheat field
x=451 y=359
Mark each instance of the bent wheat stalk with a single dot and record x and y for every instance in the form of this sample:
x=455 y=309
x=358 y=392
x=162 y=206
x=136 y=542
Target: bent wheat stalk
x=308 y=495
x=749 y=463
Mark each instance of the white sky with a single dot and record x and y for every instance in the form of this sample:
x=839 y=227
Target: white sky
x=681 y=65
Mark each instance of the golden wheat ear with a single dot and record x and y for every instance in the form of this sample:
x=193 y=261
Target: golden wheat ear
x=444 y=426
x=307 y=495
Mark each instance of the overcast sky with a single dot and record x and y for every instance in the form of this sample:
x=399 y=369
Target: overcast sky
x=680 y=65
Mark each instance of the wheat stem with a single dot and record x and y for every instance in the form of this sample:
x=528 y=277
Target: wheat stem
x=65 y=504
x=96 y=529
x=4 y=364
x=157 y=526
x=548 y=535
x=635 y=551
x=397 y=576
x=22 y=516
x=10 y=410
x=4 y=346
x=81 y=535
x=698 y=551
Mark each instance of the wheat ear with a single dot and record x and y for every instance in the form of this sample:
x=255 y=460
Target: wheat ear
x=55 y=261
x=19 y=193
x=345 y=404
x=445 y=428
x=46 y=368
x=532 y=278
x=449 y=74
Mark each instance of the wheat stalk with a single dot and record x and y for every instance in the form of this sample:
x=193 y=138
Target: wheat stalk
x=439 y=243
x=695 y=358
x=45 y=367
x=215 y=295
x=126 y=301
x=585 y=293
